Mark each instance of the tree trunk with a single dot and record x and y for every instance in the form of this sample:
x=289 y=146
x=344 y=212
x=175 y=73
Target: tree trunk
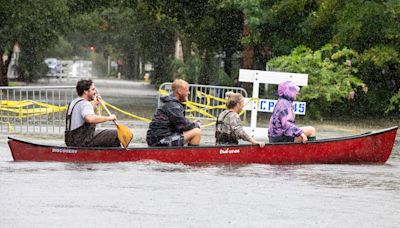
x=228 y=63
x=130 y=66
x=4 y=68
x=186 y=49
x=248 y=51
x=206 y=69
x=136 y=67
x=260 y=55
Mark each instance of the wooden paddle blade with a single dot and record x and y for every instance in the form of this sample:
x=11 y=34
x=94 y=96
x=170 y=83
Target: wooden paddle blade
x=125 y=135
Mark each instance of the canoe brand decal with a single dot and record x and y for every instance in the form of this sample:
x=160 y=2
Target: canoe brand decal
x=229 y=151
x=63 y=150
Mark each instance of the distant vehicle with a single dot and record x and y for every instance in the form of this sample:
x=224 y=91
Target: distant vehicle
x=53 y=65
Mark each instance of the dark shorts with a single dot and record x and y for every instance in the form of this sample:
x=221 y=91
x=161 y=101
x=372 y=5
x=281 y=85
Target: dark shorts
x=172 y=140
x=282 y=138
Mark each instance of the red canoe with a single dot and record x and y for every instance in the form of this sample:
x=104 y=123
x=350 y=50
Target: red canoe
x=371 y=147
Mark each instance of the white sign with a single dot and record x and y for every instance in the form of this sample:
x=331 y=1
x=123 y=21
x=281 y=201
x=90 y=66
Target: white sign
x=266 y=105
x=272 y=77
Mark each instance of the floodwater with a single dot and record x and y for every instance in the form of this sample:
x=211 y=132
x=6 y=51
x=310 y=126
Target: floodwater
x=153 y=194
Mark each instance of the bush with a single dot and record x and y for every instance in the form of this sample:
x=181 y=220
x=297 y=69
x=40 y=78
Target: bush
x=379 y=68
x=332 y=78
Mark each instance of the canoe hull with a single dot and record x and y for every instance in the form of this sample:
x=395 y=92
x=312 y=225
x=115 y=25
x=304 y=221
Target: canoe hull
x=373 y=147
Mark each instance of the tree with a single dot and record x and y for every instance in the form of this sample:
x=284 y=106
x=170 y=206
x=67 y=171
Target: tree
x=35 y=25
x=331 y=80
x=205 y=28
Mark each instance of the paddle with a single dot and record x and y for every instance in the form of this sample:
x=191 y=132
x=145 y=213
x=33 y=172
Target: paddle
x=124 y=134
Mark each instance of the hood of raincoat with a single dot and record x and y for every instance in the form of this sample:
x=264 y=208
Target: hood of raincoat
x=169 y=98
x=288 y=90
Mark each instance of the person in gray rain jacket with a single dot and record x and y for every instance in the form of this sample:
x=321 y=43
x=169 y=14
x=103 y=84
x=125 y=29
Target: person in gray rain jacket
x=169 y=126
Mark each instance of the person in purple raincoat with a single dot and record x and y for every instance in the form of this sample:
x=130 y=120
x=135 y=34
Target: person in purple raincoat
x=282 y=126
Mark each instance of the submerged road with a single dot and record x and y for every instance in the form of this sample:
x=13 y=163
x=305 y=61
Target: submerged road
x=153 y=194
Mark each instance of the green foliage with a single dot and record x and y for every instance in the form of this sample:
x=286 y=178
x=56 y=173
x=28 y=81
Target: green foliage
x=224 y=79
x=127 y=33
x=274 y=25
x=203 y=25
x=35 y=25
x=188 y=70
x=63 y=49
x=365 y=38
x=361 y=24
x=195 y=69
x=330 y=80
x=355 y=24
x=380 y=68
x=394 y=105
x=381 y=56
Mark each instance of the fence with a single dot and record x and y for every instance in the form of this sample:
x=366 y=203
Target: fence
x=207 y=99
x=41 y=110
x=34 y=109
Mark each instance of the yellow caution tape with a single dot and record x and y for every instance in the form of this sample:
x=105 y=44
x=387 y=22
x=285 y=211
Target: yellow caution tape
x=193 y=106
x=209 y=97
x=202 y=108
x=163 y=92
x=127 y=113
x=10 y=127
x=20 y=108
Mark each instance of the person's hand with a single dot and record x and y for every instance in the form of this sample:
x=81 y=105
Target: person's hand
x=96 y=100
x=261 y=144
x=112 y=117
x=304 y=138
x=197 y=123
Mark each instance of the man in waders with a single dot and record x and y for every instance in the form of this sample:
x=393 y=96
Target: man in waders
x=169 y=127
x=81 y=120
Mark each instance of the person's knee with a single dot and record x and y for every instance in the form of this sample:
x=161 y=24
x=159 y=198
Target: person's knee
x=309 y=131
x=313 y=131
x=197 y=131
x=194 y=133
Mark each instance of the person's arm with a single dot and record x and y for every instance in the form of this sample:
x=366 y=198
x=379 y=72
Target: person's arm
x=178 y=119
x=240 y=133
x=253 y=141
x=99 y=119
x=90 y=117
x=288 y=124
x=233 y=120
x=290 y=127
